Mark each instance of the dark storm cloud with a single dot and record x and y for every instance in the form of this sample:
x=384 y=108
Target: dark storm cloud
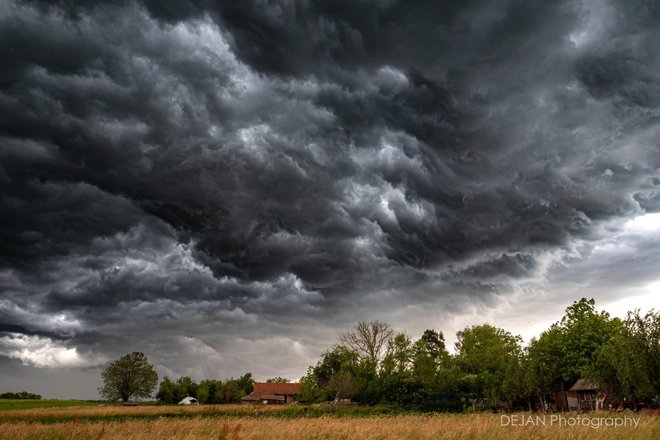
x=239 y=171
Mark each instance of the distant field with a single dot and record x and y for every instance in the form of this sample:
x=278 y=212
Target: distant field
x=236 y=422
x=10 y=404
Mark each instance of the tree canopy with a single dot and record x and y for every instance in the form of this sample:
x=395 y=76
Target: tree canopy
x=206 y=391
x=491 y=367
x=129 y=376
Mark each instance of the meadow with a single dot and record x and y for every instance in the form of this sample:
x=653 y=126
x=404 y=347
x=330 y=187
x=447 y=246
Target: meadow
x=293 y=422
x=11 y=404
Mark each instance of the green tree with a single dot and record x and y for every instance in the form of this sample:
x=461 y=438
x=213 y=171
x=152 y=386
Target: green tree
x=278 y=379
x=167 y=392
x=129 y=376
x=310 y=391
x=424 y=366
x=543 y=371
x=628 y=365
x=245 y=383
x=493 y=356
x=434 y=342
x=186 y=387
x=567 y=351
x=206 y=391
x=231 y=391
x=583 y=332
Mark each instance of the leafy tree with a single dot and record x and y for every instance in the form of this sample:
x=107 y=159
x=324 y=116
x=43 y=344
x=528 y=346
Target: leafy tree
x=310 y=391
x=628 y=365
x=434 y=343
x=543 y=372
x=231 y=391
x=399 y=354
x=207 y=391
x=186 y=387
x=332 y=362
x=277 y=379
x=567 y=351
x=167 y=392
x=491 y=354
x=583 y=332
x=245 y=383
x=129 y=376
x=424 y=364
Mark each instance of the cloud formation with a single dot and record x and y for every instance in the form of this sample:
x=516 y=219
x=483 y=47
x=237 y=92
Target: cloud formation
x=223 y=178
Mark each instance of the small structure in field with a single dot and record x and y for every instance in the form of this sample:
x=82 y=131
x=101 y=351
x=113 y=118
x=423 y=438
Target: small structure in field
x=189 y=401
x=272 y=393
x=584 y=396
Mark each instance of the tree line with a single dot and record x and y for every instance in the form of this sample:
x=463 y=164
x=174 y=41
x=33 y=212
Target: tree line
x=371 y=363
x=490 y=368
x=206 y=391
x=20 y=395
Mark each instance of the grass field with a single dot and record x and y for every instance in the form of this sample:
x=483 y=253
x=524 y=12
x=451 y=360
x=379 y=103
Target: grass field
x=295 y=422
x=10 y=404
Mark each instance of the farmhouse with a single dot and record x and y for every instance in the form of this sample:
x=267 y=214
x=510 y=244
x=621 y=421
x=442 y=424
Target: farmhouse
x=272 y=393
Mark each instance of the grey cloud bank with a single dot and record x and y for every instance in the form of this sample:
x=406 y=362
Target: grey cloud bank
x=226 y=185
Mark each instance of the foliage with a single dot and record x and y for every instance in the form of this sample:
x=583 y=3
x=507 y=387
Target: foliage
x=493 y=355
x=20 y=395
x=490 y=368
x=628 y=365
x=278 y=379
x=129 y=376
x=207 y=391
x=583 y=331
x=374 y=365
x=310 y=391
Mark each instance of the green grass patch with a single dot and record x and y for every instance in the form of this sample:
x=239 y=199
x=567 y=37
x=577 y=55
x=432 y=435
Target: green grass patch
x=13 y=404
x=114 y=414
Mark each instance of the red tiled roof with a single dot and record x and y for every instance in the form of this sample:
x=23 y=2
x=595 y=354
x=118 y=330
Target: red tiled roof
x=261 y=388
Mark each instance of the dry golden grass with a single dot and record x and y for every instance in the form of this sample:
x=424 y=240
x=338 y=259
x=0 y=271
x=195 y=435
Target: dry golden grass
x=440 y=426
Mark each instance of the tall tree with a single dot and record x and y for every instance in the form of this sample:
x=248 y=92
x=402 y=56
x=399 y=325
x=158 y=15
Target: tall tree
x=628 y=365
x=368 y=339
x=245 y=383
x=492 y=355
x=310 y=391
x=583 y=332
x=129 y=376
x=543 y=372
x=434 y=342
x=400 y=352
x=186 y=387
x=167 y=391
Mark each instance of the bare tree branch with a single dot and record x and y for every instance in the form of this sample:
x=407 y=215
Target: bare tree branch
x=368 y=339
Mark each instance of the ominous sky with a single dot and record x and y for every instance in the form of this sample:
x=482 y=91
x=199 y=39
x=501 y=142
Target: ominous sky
x=225 y=185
